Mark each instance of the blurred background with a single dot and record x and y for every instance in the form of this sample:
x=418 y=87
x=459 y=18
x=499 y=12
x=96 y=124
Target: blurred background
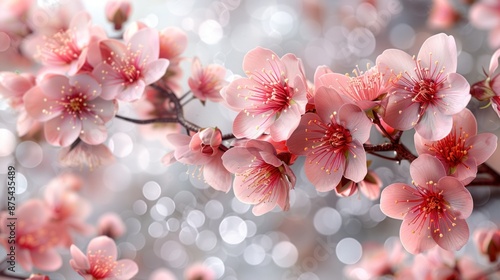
x=174 y=220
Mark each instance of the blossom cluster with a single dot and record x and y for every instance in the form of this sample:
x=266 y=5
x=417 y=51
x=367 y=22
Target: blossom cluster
x=283 y=119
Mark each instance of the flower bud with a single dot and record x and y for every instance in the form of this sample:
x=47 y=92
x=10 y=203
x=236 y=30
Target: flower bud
x=207 y=141
x=117 y=12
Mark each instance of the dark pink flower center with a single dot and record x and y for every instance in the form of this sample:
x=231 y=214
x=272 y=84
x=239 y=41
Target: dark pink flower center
x=452 y=149
x=127 y=65
x=263 y=179
x=330 y=148
x=101 y=266
x=76 y=105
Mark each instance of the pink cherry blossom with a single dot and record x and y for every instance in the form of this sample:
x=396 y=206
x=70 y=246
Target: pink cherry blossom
x=425 y=90
x=36 y=239
x=488 y=242
x=443 y=15
x=332 y=141
x=127 y=68
x=199 y=271
x=100 y=262
x=83 y=154
x=202 y=149
x=363 y=89
x=485 y=14
x=111 y=225
x=463 y=149
x=71 y=109
x=68 y=209
x=433 y=210
x=272 y=98
x=117 y=12
x=206 y=82
x=261 y=178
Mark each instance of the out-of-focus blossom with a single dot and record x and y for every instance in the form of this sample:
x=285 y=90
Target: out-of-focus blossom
x=111 y=225
x=463 y=149
x=173 y=42
x=202 y=149
x=68 y=209
x=36 y=240
x=261 y=178
x=83 y=154
x=100 y=262
x=488 y=242
x=127 y=68
x=199 y=271
x=443 y=15
x=489 y=89
x=117 y=12
x=485 y=14
x=37 y=276
x=369 y=186
x=206 y=82
x=332 y=141
x=433 y=210
x=162 y=274
x=271 y=99
x=426 y=92
x=377 y=261
x=70 y=108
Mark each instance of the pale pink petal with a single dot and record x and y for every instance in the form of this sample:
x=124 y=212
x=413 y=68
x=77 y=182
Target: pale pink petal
x=162 y=274
x=421 y=144
x=286 y=123
x=493 y=37
x=237 y=92
x=86 y=84
x=356 y=163
x=270 y=158
x=62 y=131
x=455 y=97
x=484 y=16
x=216 y=175
x=261 y=59
x=93 y=131
x=396 y=199
x=483 y=146
x=465 y=121
x=34 y=214
x=79 y=260
x=105 y=245
x=369 y=189
x=48 y=260
x=401 y=113
x=426 y=168
x=252 y=126
x=293 y=66
x=111 y=49
x=433 y=125
x=146 y=43
x=155 y=70
x=297 y=143
x=440 y=49
x=466 y=171
x=455 y=238
x=328 y=102
x=55 y=86
x=319 y=178
x=457 y=196
x=125 y=269
x=113 y=86
x=132 y=91
x=105 y=109
x=262 y=208
x=237 y=159
x=393 y=62
x=494 y=60
x=415 y=235
x=38 y=106
x=355 y=119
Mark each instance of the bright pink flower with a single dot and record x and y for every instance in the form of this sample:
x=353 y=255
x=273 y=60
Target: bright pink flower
x=67 y=49
x=332 y=141
x=262 y=179
x=488 y=242
x=485 y=14
x=199 y=272
x=84 y=154
x=128 y=68
x=433 y=211
x=36 y=239
x=206 y=82
x=71 y=108
x=272 y=98
x=100 y=261
x=363 y=89
x=377 y=261
x=111 y=225
x=443 y=15
x=68 y=209
x=202 y=149
x=463 y=149
x=117 y=12
x=426 y=91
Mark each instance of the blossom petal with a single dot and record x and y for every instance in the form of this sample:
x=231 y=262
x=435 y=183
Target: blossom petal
x=433 y=125
x=285 y=124
x=354 y=119
x=414 y=233
x=260 y=59
x=48 y=260
x=329 y=103
x=483 y=146
x=439 y=51
x=34 y=214
x=454 y=238
x=236 y=94
x=401 y=113
x=456 y=96
x=494 y=61
x=39 y=107
x=457 y=196
x=426 y=168
x=250 y=126
x=319 y=177
x=298 y=143
x=103 y=244
x=393 y=62
x=396 y=199
x=484 y=16
x=55 y=86
x=155 y=70
x=146 y=43
x=93 y=132
x=356 y=163
x=216 y=175
x=62 y=131
x=125 y=269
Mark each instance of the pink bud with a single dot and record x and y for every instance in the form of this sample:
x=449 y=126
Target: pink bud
x=117 y=12
x=111 y=225
x=207 y=141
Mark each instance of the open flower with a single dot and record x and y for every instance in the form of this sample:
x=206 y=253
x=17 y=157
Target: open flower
x=332 y=141
x=71 y=108
x=262 y=179
x=462 y=150
x=100 y=261
x=127 y=68
x=206 y=82
x=201 y=149
x=272 y=98
x=426 y=92
x=433 y=210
